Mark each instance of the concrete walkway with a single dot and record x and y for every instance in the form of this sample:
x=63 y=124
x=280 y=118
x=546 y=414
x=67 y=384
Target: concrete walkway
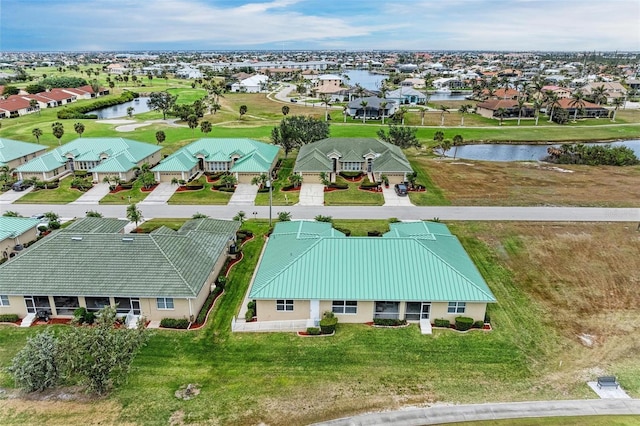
x=244 y=195
x=466 y=413
x=94 y=195
x=392 y=199
x=160 y=195
x=10 y=196
x=311 y=194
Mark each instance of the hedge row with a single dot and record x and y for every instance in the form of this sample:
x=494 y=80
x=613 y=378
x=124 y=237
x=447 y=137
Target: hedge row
x=8 y=318
x=389 y=322
x=182 y=323
x=80 y=111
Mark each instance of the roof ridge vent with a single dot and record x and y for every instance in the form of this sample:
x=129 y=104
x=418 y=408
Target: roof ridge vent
x=127 y=239
x=76 y=238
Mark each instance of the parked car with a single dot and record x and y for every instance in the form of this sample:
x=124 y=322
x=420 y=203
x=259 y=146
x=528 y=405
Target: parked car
x=20 y=185
x=401 y=189
x=294 y=100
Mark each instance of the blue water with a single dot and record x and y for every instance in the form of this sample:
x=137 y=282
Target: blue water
x=118 y=111
x=505 y=152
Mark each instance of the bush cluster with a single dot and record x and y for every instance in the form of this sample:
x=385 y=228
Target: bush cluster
x=441 y=323
x=314 y=331
x=339 y=186
x=82 y=316
x=463 y=323
x=328 y=323
x=389 y=322
x=351 y=175
x=345 y=231
x=181 y=323
x=8 y=317
x=248 y=316
x=80 y=111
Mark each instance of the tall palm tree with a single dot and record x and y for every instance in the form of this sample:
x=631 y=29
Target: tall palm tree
x=552 y=101
x=58 y=131
x=599 y=94
x=364 y=104
x=443 y=109
x=617 y=103
x=464 y=109
x=37 y=133
x=383 y=107
x=134 y=214
x=577 y=102
x=326 y=101
x=457 y=141
x=79 y=128
x=537 y=104
x=160 y=136
x=520 y=108
x=422 y=113
x=500 y=113
x=205 y=127
x=33 y=104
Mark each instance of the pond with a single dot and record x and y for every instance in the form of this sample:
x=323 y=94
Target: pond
x=507 y=152
x=118 y=111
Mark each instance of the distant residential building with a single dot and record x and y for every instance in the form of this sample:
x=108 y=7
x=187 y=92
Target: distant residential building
x=15 y=232
x=613 y=89
x=253 y=84
x=14 y=153
x=407 y=96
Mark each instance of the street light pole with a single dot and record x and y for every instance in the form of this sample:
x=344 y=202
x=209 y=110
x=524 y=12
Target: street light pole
x=270 y=199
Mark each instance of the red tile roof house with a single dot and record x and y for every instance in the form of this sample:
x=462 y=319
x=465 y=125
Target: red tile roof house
x=502 y=93
x=489 y=108
x=15 y=106
x=86 y=92
x=562 y=92
x=588 y=110
x=53 y=98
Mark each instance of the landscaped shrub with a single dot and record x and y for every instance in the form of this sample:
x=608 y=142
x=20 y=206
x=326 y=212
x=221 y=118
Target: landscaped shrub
x=225 y=189
x=80 y=173
x=222 y=281
x=464 y=323
x=314 y=331
x=82 y=316
x=248 y=316
x=8 y=318
x=389 y=322
x=42 y=228
x=351 y=175
x=54 y=224
x=478 y=324
x=328 y=323
x=252 y=305
x=338 y=186
x=182 y=323
x=345 y=231
x=441 y=323
x=487 y=318
x=202 y=315
x=126 y=185
x=321 y=218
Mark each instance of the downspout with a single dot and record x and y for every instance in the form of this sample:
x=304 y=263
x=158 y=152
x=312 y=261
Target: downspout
x=190 y=313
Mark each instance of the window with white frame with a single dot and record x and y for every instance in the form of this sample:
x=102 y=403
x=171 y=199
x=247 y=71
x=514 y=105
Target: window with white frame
x=351 y=166
x=165 y=302
x=344 y=307
x=4 y=300
x=284 y=305
x=456 y=307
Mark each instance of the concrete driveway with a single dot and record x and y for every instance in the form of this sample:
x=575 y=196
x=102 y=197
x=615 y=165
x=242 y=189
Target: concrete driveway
x=244 y=195
x=10 y=196
x=161 y=194
x=94 y=195
x=311 y=194
x=393 y=199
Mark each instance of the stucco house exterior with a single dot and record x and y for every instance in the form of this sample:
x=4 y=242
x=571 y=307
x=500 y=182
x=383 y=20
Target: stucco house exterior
x=244 y=158
x=416 y=271
x=14 y=233
x=367 y=155
x=253 y=84
x=14 y=153
x=101 y=157
x=374 y=110
x=92 y=264
x=407 y=96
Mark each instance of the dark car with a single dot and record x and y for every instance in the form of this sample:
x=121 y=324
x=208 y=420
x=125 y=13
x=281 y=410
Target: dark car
x=401 y=189
x=294 y=100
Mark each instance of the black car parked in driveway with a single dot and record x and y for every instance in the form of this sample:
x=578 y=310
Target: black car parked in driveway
x=401 y=189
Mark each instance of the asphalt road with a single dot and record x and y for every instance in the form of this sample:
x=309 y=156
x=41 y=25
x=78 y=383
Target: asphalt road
x=448 y=213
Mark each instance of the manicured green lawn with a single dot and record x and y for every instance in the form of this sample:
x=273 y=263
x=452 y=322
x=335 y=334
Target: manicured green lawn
x=360 y=228
x=63 y=194
x=204 y=196
x=127 y=196
x=352 y=196
x=187 y=96
x=280 y=198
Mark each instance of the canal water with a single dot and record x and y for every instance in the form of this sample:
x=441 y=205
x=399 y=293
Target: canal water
x=507 y=152
x=119 y=111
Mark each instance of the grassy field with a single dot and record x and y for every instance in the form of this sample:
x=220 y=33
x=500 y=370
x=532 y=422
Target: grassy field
x=61 y=195
x=127 y=196
x=547 y=298
x=352 y=196
x=204 y=196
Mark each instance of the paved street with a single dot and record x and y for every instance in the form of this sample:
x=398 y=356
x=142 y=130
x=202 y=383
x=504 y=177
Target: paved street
x=449 y=213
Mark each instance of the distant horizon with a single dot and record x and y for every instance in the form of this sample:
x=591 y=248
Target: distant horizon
x=319 y=25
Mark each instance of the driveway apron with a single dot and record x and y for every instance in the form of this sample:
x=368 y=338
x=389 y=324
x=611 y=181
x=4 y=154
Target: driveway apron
x=10 y=196
x=244 y=195
x=94 y=195
x=311 y=194
x=393 y=199
x=161 y=194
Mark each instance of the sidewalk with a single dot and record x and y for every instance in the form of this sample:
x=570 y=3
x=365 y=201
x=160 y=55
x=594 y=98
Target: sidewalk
x=466 y=413
x=94 y=195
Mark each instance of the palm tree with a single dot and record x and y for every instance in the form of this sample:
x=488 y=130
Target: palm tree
x=37 y=133
x=295 y=179
x=326 y=101
x=444 y=109
x=192 y=122
x=130 y=111
x=215 y=107
x=617 y=103
x=537 y=104
x=243 y=110
x=422 y=112
x=33 y=104
x=552 y=101
x=134 y=214
x=464 y=109
x=364 y=104
x=160 y=137
x=599 y=94
x=285 y=110
x=500 y=113
x=205 y=127
x=228 y=180
x=58 y=131
x=457 y=141
x=79 y=128
x=401 y=113
x=577 y=102
x=383 y=107
x=438 y=137
x=260 y=181
x=520 y=108
x=359 y=90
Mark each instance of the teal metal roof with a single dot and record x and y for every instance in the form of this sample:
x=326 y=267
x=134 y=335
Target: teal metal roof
x=123 y=265
x=12 y=227
x=313 y=156
x=96 y=225
x=254 y=156
x=92 y=149
x=11 y=149
x=119 y=163
x=413 y=262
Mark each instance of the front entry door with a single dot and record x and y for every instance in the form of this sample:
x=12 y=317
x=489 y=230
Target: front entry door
x=135 y=306
x=425 y=310
x=31 y=306
x=314 y=309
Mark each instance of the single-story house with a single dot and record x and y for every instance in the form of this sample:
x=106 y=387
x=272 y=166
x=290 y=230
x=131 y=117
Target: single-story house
x=244 y=158
x=14 y=233
x=613 y=89
x=407 y=96
x=13 y=153
x=15 y=106
x=416 y=271
x=367 y=155
x=86 y=92
x=91 y=264
x=101 y=157
x=561 y=92
x=587 y=110
x=253 y=84
x=489 y=109
x=374 y=110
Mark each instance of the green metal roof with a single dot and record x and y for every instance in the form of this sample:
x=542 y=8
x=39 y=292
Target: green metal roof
x=96 y=225
x=123 y=265
x=11 y=149
x=12 y=227
x=254 y=156
x=315 y=155
x=413 y=262
x=91 y=149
